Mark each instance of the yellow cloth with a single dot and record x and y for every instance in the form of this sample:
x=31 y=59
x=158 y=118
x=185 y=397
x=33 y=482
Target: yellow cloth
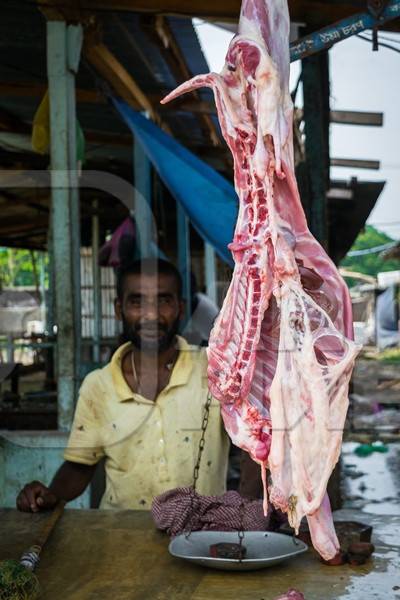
x=149 y=447
x=41 y=126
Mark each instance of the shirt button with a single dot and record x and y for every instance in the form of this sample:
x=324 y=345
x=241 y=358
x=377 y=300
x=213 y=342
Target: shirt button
x=162 y=460
x=161 y=442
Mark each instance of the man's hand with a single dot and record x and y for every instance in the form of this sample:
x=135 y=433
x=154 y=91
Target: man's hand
x=69 y=482
x=34 y=497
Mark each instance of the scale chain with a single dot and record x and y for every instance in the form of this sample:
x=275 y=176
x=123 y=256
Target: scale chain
x=196 y=469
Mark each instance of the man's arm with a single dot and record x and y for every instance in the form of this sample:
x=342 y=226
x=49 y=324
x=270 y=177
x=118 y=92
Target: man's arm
x=69 y=482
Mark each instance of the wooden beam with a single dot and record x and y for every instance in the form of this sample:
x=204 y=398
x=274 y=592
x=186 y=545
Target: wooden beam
x=122 y=82
x=340 y=193
x=17 y=225
x=186 y=104
x=26 y=242
x=222 y=10
x=53 y=13
x=37 y=90
x=355 y=163
x=70 y=11
x=107 y=65
x=313 y=13
x=108 y=139
x=172 y=53
x=12 y=123
x=92 y=137
x=84 y=96
x=8 y=197
x=353 y=117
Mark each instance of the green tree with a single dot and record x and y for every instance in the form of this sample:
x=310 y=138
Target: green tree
x=20 y=267
x=374 y=263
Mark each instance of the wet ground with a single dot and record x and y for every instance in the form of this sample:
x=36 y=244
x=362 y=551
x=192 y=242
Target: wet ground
x=374 y=411
x=371 y=483
x=379 y=578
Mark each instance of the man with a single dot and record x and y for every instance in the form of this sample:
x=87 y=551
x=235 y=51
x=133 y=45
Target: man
x=143 y=411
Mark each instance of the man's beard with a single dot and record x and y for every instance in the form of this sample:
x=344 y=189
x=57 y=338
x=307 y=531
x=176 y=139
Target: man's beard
x=163 y=342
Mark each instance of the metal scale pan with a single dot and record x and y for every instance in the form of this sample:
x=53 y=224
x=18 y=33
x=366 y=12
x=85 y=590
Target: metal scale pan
x=264 y=549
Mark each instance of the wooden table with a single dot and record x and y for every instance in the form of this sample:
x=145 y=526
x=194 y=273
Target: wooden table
x=118 y=555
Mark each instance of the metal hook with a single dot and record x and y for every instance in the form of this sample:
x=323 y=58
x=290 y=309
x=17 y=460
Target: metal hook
x=376 y=8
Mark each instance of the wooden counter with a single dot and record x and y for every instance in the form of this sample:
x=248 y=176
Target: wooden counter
x=118 y=555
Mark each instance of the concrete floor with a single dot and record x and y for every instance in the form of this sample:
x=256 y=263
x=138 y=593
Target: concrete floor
x=379 y=578
x=372 y=496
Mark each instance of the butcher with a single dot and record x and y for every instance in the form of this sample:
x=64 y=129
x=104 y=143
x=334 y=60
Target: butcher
x=142 y=412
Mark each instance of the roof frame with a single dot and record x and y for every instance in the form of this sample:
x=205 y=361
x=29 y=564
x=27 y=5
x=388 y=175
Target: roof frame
x=162 y=35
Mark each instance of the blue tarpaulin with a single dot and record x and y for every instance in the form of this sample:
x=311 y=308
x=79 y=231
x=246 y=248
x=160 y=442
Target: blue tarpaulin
x=208 y=199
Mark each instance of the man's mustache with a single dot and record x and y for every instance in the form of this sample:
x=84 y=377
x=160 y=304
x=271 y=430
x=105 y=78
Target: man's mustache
x=151 y=327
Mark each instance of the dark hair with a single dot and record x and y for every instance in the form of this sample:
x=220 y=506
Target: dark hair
x=148 y=266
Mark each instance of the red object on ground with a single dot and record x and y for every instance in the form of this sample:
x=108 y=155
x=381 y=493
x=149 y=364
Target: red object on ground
x=291 y=595
x=337 y=561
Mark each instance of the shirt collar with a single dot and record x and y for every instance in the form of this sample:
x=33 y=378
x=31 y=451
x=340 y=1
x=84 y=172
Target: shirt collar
x=180 y=374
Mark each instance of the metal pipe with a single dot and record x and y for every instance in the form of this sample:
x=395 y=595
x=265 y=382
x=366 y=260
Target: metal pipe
x=143 y=194
x=210 y=272
x=50 y=296
x=184 y=259
x=97 y=312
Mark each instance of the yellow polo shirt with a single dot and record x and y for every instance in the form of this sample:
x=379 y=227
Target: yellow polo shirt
x=149 y=447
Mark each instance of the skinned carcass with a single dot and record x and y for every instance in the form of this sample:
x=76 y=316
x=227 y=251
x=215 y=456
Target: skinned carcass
x=281 y=351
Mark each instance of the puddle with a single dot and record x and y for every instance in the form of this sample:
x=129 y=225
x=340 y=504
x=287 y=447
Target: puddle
x=383 y=508
x=372 y=495
x=372 y=483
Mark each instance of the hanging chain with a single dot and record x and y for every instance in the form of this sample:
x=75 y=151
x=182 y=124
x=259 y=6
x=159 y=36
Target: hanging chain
x=202 y=440
x=196 y=470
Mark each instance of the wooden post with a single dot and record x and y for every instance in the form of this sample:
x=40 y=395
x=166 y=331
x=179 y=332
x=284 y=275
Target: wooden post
x=315 y=76
x=63 y=49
